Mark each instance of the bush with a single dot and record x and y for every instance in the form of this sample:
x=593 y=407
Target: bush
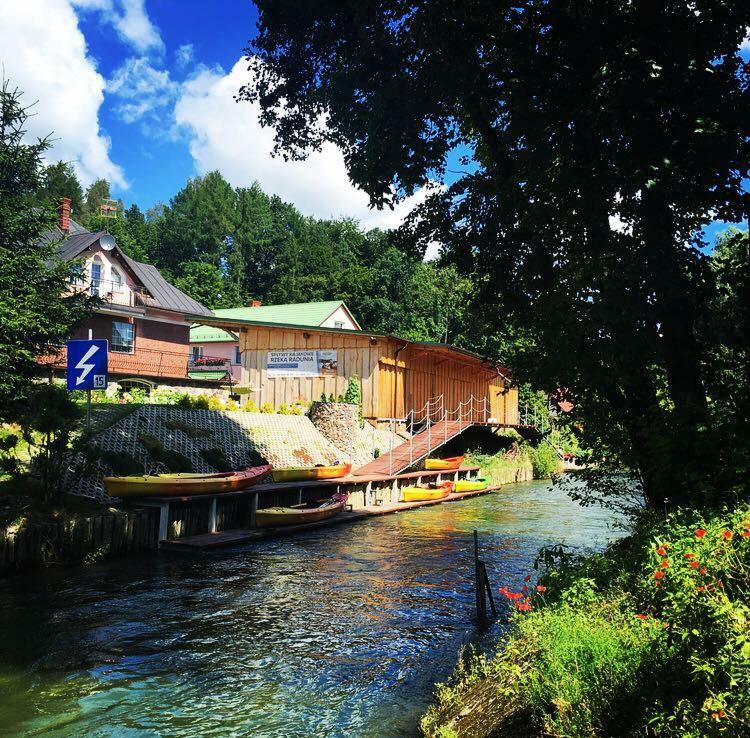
x=216 y=458
x=544 y=460
x=186 y=428
x=353 y=391
x=267 y=407
x=172 y=460
x=250 y=407
x=284 y=409
x=649 y=638
x=215 y=403
x=231 y=405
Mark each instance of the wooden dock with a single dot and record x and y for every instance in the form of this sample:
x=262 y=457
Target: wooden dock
x=221 y=539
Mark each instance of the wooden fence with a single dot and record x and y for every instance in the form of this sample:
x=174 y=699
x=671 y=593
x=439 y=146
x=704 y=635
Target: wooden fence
x=76 y=540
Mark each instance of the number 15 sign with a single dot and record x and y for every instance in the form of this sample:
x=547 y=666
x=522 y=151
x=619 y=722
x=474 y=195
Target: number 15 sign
x=87 y=364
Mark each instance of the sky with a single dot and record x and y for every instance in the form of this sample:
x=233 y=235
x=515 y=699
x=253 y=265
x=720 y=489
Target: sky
x=140 y=92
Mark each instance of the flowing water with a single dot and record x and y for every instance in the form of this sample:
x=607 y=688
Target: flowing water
x=338 y=632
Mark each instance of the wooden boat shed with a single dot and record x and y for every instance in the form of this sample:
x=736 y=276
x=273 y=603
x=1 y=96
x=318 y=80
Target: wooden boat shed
x=286 y=364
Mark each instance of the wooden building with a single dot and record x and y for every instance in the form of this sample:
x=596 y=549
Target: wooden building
x=286 y=364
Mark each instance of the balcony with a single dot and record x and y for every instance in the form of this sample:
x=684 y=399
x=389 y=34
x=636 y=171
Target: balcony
x=114 y=293
x=155 y=364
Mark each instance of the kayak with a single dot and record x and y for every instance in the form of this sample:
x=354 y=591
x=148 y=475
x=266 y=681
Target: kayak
x=452 y=462
x=311 y=473
x=184 y=484
x=276 y=517
x=427 y=492
x=471 y=485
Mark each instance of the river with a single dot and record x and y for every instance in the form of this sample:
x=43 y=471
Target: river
x=338 y=632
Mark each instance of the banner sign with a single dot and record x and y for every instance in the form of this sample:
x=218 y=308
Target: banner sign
x=302 y=363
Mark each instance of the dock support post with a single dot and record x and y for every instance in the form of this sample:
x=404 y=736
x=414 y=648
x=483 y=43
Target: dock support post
x=253 y=508
x=394 y=491
x=212 y=515
x=368 y=494
x=163 y=521
x=299 y=496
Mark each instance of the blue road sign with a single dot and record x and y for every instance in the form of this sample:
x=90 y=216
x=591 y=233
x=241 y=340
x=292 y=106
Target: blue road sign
x=87 y=364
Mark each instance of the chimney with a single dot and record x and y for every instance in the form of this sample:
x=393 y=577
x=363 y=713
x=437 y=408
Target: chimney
x=63 y=214
x=255 y=303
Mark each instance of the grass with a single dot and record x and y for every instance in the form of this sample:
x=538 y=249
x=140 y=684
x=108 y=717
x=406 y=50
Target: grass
x=651 y=637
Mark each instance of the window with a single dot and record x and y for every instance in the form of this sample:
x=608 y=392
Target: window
x=197 y=352
x=96 y=275
x=237 y=358
x=338 y=323
x=116 y=280
x=123 y=337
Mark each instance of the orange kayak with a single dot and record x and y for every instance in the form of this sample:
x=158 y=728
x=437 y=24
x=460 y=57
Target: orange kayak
x=311 y=473
x=276 y=517
x=156 y=484
x=452 y=462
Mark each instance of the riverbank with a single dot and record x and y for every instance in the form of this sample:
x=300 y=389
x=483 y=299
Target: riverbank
x=649 y=638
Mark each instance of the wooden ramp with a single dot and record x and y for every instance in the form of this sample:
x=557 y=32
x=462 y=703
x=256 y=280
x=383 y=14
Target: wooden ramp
x=421 y=446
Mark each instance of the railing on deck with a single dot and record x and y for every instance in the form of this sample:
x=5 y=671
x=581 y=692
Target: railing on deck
x=115 y=293
x=468 y=412
x=147 y=362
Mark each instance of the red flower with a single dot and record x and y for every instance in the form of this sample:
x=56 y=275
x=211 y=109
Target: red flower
x=745 y=534
x=524 y=588
x=658 y=574
x=726 y=534
x=642 y=617
x=689 y=555
x=700 y=533
x=700 y=589
x=703 y=570
x=719 y=584
x=694 y=564
x=665 y=564
x=661 y=551
x=541 y=588
x=527 y=578
x=718 y=714
x=524 y=606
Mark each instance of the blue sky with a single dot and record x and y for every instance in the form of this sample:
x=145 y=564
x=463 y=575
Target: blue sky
x=140 y=92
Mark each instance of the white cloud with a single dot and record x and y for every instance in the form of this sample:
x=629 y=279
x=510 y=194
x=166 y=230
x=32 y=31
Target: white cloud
x=53 y=68
x=142 y=89
x=130 y=20
x=227 y=136
x=184 y=55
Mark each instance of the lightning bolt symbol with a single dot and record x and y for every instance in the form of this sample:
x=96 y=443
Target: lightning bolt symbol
x=84 y=366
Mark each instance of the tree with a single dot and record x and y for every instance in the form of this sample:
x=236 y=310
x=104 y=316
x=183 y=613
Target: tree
x=203 y=282
x=97 y=191
x=577 y=114
x=59 y=180
x=38 y=310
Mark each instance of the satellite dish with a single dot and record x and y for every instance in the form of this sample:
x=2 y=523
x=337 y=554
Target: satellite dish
x=107 y=242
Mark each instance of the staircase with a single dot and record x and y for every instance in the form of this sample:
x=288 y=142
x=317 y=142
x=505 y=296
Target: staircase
x=421 y=445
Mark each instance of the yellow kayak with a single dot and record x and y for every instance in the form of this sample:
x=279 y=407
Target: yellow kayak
x=420 y=494
x=184 y=484
x=471 y=485
x=452 y=462
x=311 y=473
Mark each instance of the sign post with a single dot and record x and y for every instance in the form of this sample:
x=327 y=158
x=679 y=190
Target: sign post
x=87 y=368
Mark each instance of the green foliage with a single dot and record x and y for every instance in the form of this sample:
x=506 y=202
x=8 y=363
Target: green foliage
x=186 y=428
x=544 y=460
x=216 y=458
x=250 y=407
x=607 y=313
x=284 y=409
x=121 y=463
x=60 y=180
x=38 y=311
x=331 y=398
x=353 y=394
x=649 y=638
x=173 y=461
x=266 y=407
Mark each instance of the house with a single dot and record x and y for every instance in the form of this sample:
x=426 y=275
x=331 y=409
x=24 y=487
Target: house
x=142 y=315
x=210 y=344
x=284 y=363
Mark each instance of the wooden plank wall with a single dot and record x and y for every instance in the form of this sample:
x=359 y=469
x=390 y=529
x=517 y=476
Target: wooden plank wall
x=393 y=381
x=355 y=353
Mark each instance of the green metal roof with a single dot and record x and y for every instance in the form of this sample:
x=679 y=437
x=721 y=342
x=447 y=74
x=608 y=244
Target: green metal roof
x=303 y=313
x=310 y=314
x=210 y=334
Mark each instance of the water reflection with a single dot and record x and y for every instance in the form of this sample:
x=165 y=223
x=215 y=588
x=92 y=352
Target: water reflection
x=338 y=632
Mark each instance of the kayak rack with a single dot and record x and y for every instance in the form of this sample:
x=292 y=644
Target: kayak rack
x=227 y=517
